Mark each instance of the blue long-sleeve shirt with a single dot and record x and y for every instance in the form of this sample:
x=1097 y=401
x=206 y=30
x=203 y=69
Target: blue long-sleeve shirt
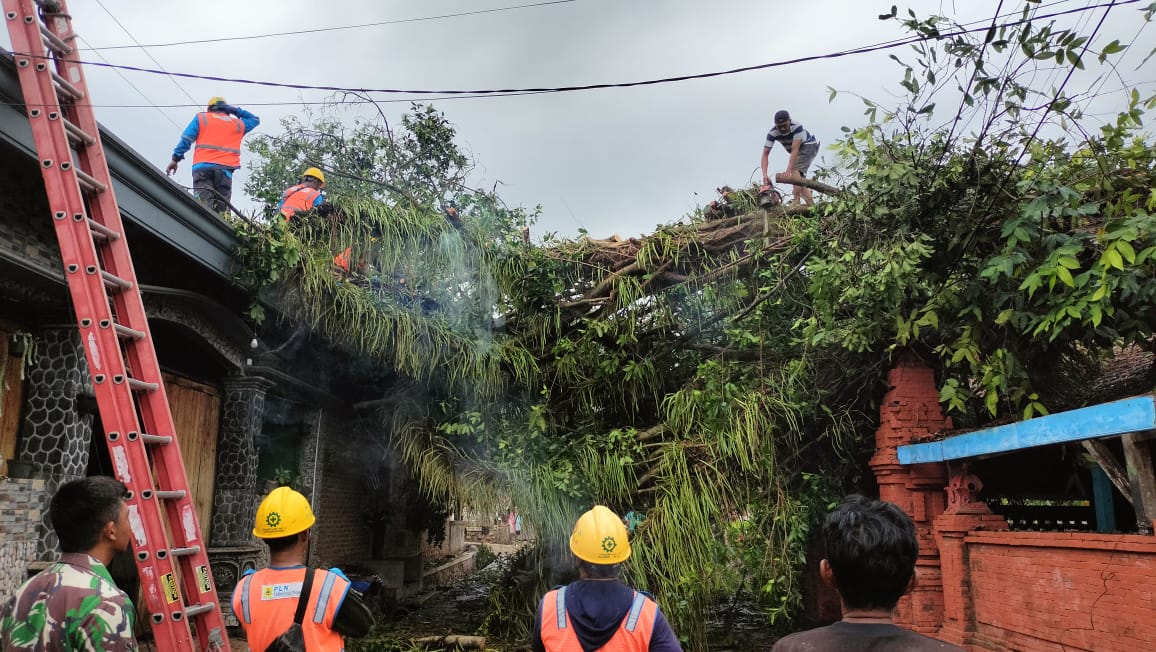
x=189 y=136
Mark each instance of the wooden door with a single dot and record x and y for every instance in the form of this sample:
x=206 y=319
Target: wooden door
x=11 y=399
x=196 y=411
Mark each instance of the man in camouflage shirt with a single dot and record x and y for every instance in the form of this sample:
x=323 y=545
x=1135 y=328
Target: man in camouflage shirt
x=75 y=606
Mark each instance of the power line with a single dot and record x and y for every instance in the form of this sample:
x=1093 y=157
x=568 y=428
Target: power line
x=147 y=53
x=586 y=87
x=334 y=29
x=131 y=85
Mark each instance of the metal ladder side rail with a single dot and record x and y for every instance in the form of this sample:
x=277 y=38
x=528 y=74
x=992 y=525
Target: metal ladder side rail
x=153 y=407
x=79 y=237
x=87 y=291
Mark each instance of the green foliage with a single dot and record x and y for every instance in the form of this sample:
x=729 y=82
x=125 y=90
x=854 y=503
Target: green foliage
x=709 y=371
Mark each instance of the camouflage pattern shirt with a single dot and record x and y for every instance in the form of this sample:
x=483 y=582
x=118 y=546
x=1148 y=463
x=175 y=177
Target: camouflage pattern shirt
x=72 y=607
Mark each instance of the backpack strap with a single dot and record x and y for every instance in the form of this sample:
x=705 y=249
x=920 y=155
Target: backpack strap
x=303 y=599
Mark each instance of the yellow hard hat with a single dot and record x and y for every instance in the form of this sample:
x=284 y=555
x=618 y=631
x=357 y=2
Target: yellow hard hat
x=283 y=513
x=215 y=100
x=600 y=537
x=315 y=173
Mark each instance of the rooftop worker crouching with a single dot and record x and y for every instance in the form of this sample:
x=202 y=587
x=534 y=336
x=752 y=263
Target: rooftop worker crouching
x=304 y=196
x=270 y=602
x=217 y=132
x=599 y=612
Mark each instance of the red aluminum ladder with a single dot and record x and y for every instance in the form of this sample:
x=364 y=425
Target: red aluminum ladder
x=126 y=378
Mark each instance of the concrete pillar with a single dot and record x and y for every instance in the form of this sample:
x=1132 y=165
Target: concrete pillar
x=56 y=436
x=910 y=412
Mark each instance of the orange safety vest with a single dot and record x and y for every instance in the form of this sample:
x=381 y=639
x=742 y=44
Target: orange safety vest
x=219 y=139
x=298 y=198
x=265 y=602
x=633 y=634
x=342 y=259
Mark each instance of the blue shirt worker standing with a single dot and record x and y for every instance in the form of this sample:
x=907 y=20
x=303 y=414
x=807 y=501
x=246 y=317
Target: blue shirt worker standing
x=802 y=147
x=217 y=133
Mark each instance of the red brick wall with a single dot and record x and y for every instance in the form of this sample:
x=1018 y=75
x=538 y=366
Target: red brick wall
x=1062 y=590
x=342 y=537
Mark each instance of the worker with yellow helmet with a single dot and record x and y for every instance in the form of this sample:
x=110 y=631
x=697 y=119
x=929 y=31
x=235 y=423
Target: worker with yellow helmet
x=599 y=612
x=303 y=196
x=217 y=133
x=270 y=601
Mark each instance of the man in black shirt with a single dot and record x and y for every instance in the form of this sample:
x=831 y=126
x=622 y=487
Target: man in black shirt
x=871 y=551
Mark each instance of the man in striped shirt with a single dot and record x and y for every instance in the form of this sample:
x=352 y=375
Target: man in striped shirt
x=802 y=145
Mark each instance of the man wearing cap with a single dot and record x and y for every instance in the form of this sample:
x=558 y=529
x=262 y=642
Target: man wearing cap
x=803 y=147
x=217 y=133
x=304 y=196
x=599 y=612
x=266 y=601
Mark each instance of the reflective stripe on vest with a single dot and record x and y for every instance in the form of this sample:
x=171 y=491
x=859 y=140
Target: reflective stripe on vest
x=298 y=198
x=632 y=635
x=219 y=139
x=245 y=617
x=268 y=599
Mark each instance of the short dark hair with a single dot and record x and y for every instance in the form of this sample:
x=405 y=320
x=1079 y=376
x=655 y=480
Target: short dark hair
x=81 y=508
x=600 y=571
x=782 y=116
x=283 y=543
x=871 y=548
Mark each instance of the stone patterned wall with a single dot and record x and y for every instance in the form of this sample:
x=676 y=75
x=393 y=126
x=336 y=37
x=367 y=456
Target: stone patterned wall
x=56 y=436
x=235 y=498
x=20 y=509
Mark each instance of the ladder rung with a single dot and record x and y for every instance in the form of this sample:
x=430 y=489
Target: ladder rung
x=156 y=439
x=142 y=385
x=54 y=42
x=185 y=552
x=128 y=333
x=65 y=88
x=196 y=610
x=171 y=495
x=78 y=135
x=115 y=282
x=89 y=182
x=101 y=231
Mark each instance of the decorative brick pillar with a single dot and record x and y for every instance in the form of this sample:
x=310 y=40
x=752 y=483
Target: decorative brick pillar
x=965 y=513
x=56 y=436
x=235 y=496
x=910 y=412
x=309 y=467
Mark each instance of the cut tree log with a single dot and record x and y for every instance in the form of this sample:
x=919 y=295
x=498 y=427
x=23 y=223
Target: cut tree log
x=795 y=180
x=451 y=641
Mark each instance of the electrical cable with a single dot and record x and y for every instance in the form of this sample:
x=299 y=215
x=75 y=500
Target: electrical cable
x=142 y=48
x=127 y=81
x=585 y=87
x=333 y=29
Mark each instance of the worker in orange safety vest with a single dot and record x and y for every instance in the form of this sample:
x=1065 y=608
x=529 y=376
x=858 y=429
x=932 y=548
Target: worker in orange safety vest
x=599 y=612
x=304 y=196
x=266 y=601
x=217 y=133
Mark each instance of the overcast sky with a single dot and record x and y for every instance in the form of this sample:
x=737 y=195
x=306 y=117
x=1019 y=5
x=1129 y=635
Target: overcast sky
x=610 y=161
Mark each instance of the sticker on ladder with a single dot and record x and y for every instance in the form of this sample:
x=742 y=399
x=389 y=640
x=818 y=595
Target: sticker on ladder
x=189 y=523
x=120 y=461
x=93 y=350
x=137 y=525
x=169 y=584
x=203 y=579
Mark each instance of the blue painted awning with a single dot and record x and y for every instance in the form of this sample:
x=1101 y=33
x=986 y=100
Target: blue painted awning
x=1135 y=414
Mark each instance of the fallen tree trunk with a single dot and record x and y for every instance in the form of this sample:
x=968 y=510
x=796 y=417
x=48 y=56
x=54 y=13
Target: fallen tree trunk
x=451 y=641
x=795 y=180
